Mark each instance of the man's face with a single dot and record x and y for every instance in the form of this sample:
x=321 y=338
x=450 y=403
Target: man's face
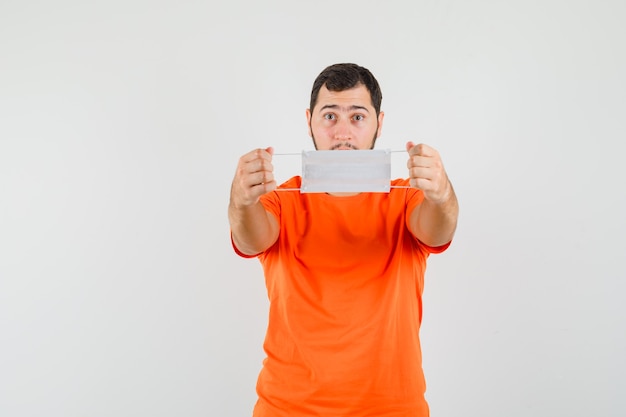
x=344 y=120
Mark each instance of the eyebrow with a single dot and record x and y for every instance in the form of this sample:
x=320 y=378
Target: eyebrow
x=335 y=106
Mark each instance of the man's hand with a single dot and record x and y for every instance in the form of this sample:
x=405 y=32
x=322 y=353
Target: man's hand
x=253 y=178
x=426 y=173
x=253 y=229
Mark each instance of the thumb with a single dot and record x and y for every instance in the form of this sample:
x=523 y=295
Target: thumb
x=409 y=145
x=270 y=150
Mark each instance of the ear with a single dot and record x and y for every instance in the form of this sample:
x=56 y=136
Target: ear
x=308 y=122
x=381 y=117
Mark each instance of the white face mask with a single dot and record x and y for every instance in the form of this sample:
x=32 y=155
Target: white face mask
x=346 y=171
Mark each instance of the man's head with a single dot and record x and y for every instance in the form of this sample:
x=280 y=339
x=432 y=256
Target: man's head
x=345 y=111
x=340 y=77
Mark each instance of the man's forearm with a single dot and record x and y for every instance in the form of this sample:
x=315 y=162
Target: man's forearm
x=435 y=223
x=253 y=228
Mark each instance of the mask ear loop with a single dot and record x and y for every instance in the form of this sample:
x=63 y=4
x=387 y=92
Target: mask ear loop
x=399 y=186
x=287 y=154
x=300 y=154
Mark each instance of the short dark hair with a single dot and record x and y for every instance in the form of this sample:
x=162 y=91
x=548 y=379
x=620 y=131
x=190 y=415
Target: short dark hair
x=340 y=77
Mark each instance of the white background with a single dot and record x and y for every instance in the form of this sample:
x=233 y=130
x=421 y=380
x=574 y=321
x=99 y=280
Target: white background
x=121 y=123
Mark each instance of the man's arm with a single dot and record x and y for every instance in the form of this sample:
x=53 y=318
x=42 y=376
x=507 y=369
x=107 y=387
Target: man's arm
x=253 y=228
x=434 y=221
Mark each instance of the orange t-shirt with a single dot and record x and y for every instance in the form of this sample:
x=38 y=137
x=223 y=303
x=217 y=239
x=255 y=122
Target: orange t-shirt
x=345 y=281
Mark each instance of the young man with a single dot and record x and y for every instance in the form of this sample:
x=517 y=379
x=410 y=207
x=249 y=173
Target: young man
x=344 y=271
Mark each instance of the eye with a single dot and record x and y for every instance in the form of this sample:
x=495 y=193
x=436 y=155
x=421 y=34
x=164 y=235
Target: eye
x=329 y=116
x=358 y=117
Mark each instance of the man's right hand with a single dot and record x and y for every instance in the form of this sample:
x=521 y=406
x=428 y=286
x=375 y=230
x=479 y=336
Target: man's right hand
x=253 y=228
x=253 y=178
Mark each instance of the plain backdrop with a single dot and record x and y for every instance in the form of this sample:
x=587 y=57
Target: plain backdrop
x=121 y=123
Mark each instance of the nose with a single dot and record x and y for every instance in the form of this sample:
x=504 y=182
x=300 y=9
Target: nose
x=342 y=130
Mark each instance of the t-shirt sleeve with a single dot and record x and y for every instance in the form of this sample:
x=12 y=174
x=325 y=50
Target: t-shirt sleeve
x=434 y=249
x=271 y=203
x=237 y=251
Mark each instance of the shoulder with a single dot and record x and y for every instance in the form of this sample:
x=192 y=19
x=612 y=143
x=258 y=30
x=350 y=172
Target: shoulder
x=287 y=190
x=400 y=182
x=293 y=182
x=403 y=186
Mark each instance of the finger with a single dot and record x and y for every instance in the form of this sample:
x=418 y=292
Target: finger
x=259 y=189
x=422 y=149
x=261 y=177
x=423 y=184
x=425 y=150
x=253 y=166
x=422 y=172
x=266 y=187
x=420 y=161
x=414 y=149
x=259 y=165
x=258 y=154
x=250 y=188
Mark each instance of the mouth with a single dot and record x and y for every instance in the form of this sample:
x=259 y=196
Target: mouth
x=343 y=147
